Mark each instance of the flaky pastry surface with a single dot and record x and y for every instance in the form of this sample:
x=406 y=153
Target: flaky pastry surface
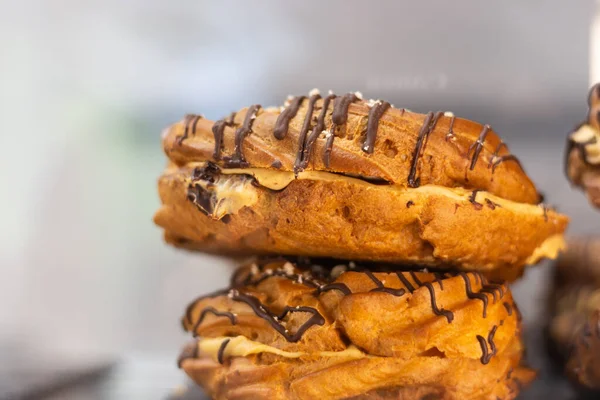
x=300 y=331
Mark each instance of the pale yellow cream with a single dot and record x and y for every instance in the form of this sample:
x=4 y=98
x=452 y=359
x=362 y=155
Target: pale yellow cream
x=585 y=134
x=241 y=346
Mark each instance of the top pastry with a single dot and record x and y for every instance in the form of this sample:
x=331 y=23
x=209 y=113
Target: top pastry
x=583 y=150
x=343 y=177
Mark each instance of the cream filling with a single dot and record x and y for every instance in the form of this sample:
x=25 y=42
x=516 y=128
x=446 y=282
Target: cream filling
x=232 y=196
x=585 y=134
x=241 y=346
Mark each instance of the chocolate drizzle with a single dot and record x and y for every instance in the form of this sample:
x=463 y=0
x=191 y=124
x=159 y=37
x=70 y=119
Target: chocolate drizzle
x=496 y=159
x=438 y=311
x=427 y=127
x=237 y=160
x=221 y=352
x=405 y=282
x=473 y=295
x=508 y=307
x=261 y=311
x=211 y=310
x=338 y=117
x=192 y=120
x=472 y=199
x=450 y=133
x=477 y=146
x=486 y=354
x=317 y=130
x=283 y=120
x=218 y=129
x=381 y=287
x=341 y=287
x=375 y=114
x=304 y=131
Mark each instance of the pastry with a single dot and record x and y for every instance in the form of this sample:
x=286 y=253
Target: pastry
x=342 y=177
x=575 y=325
x=301 y=329
x=583 y=151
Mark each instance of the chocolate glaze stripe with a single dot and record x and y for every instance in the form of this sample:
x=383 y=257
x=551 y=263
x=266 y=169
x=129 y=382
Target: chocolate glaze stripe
x=339 y=117
x=496 y=159
x=221 y=351
x=317 y=130
x=405 y=282
x=192 y=305
x=427 y=127
x=438 y=311
x=450 y=133
x=211 y=310
x=415 y=279
x=438 y=279
x=283 y=120
x=375 y=114
x=341 y=287
x=508 y=307
x=492 y=288
x=192 y=120
x=472 y=199
x=486 y=355
x=381 y=287
x=238 y=160
x=218 y=129
x=304 y=131
x=261 y=311
x=473 y=295
x=477 y=146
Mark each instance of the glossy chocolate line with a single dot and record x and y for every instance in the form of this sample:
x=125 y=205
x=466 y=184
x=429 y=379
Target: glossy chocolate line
x=217 y=313
x=472 y=199
x=340 y=108
x=283 y=120
x=189 y=119
x=405 y=282
x=492 y=289
x=508 y=307
x=450 y=133
x=508 y=157
x=381 y=287
x=473 y=295
x=345 y=290
x=339 y=116
x=304 y=131
x=221 y=351
x=218 y=130
x=486 y=355
x=438 y=279
x=261 y=311
x=478 y=145
x=437 y=311
x=415 y=279
x=375 y=114
x=317 y=130
x=426 y=128
x=238 y=159
x=192 y=305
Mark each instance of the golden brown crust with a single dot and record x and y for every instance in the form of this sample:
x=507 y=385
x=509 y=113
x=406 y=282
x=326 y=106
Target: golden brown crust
x=448 y=151
x=583 y=151
x=419 y=334
x=350 y=219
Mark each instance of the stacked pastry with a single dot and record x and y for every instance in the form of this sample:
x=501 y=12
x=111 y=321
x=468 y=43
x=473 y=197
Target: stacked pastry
x=583 y=150
x=382 y=242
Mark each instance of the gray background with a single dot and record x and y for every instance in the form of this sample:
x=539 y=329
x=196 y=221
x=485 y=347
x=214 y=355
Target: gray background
x=87 y=86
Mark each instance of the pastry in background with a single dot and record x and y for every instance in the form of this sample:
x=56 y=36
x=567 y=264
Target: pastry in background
x=583 y=151
x=338 y=330
x=342 y=177
x=575 y=324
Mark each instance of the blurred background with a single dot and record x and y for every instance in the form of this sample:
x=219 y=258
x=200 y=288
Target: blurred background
x=87 y=86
